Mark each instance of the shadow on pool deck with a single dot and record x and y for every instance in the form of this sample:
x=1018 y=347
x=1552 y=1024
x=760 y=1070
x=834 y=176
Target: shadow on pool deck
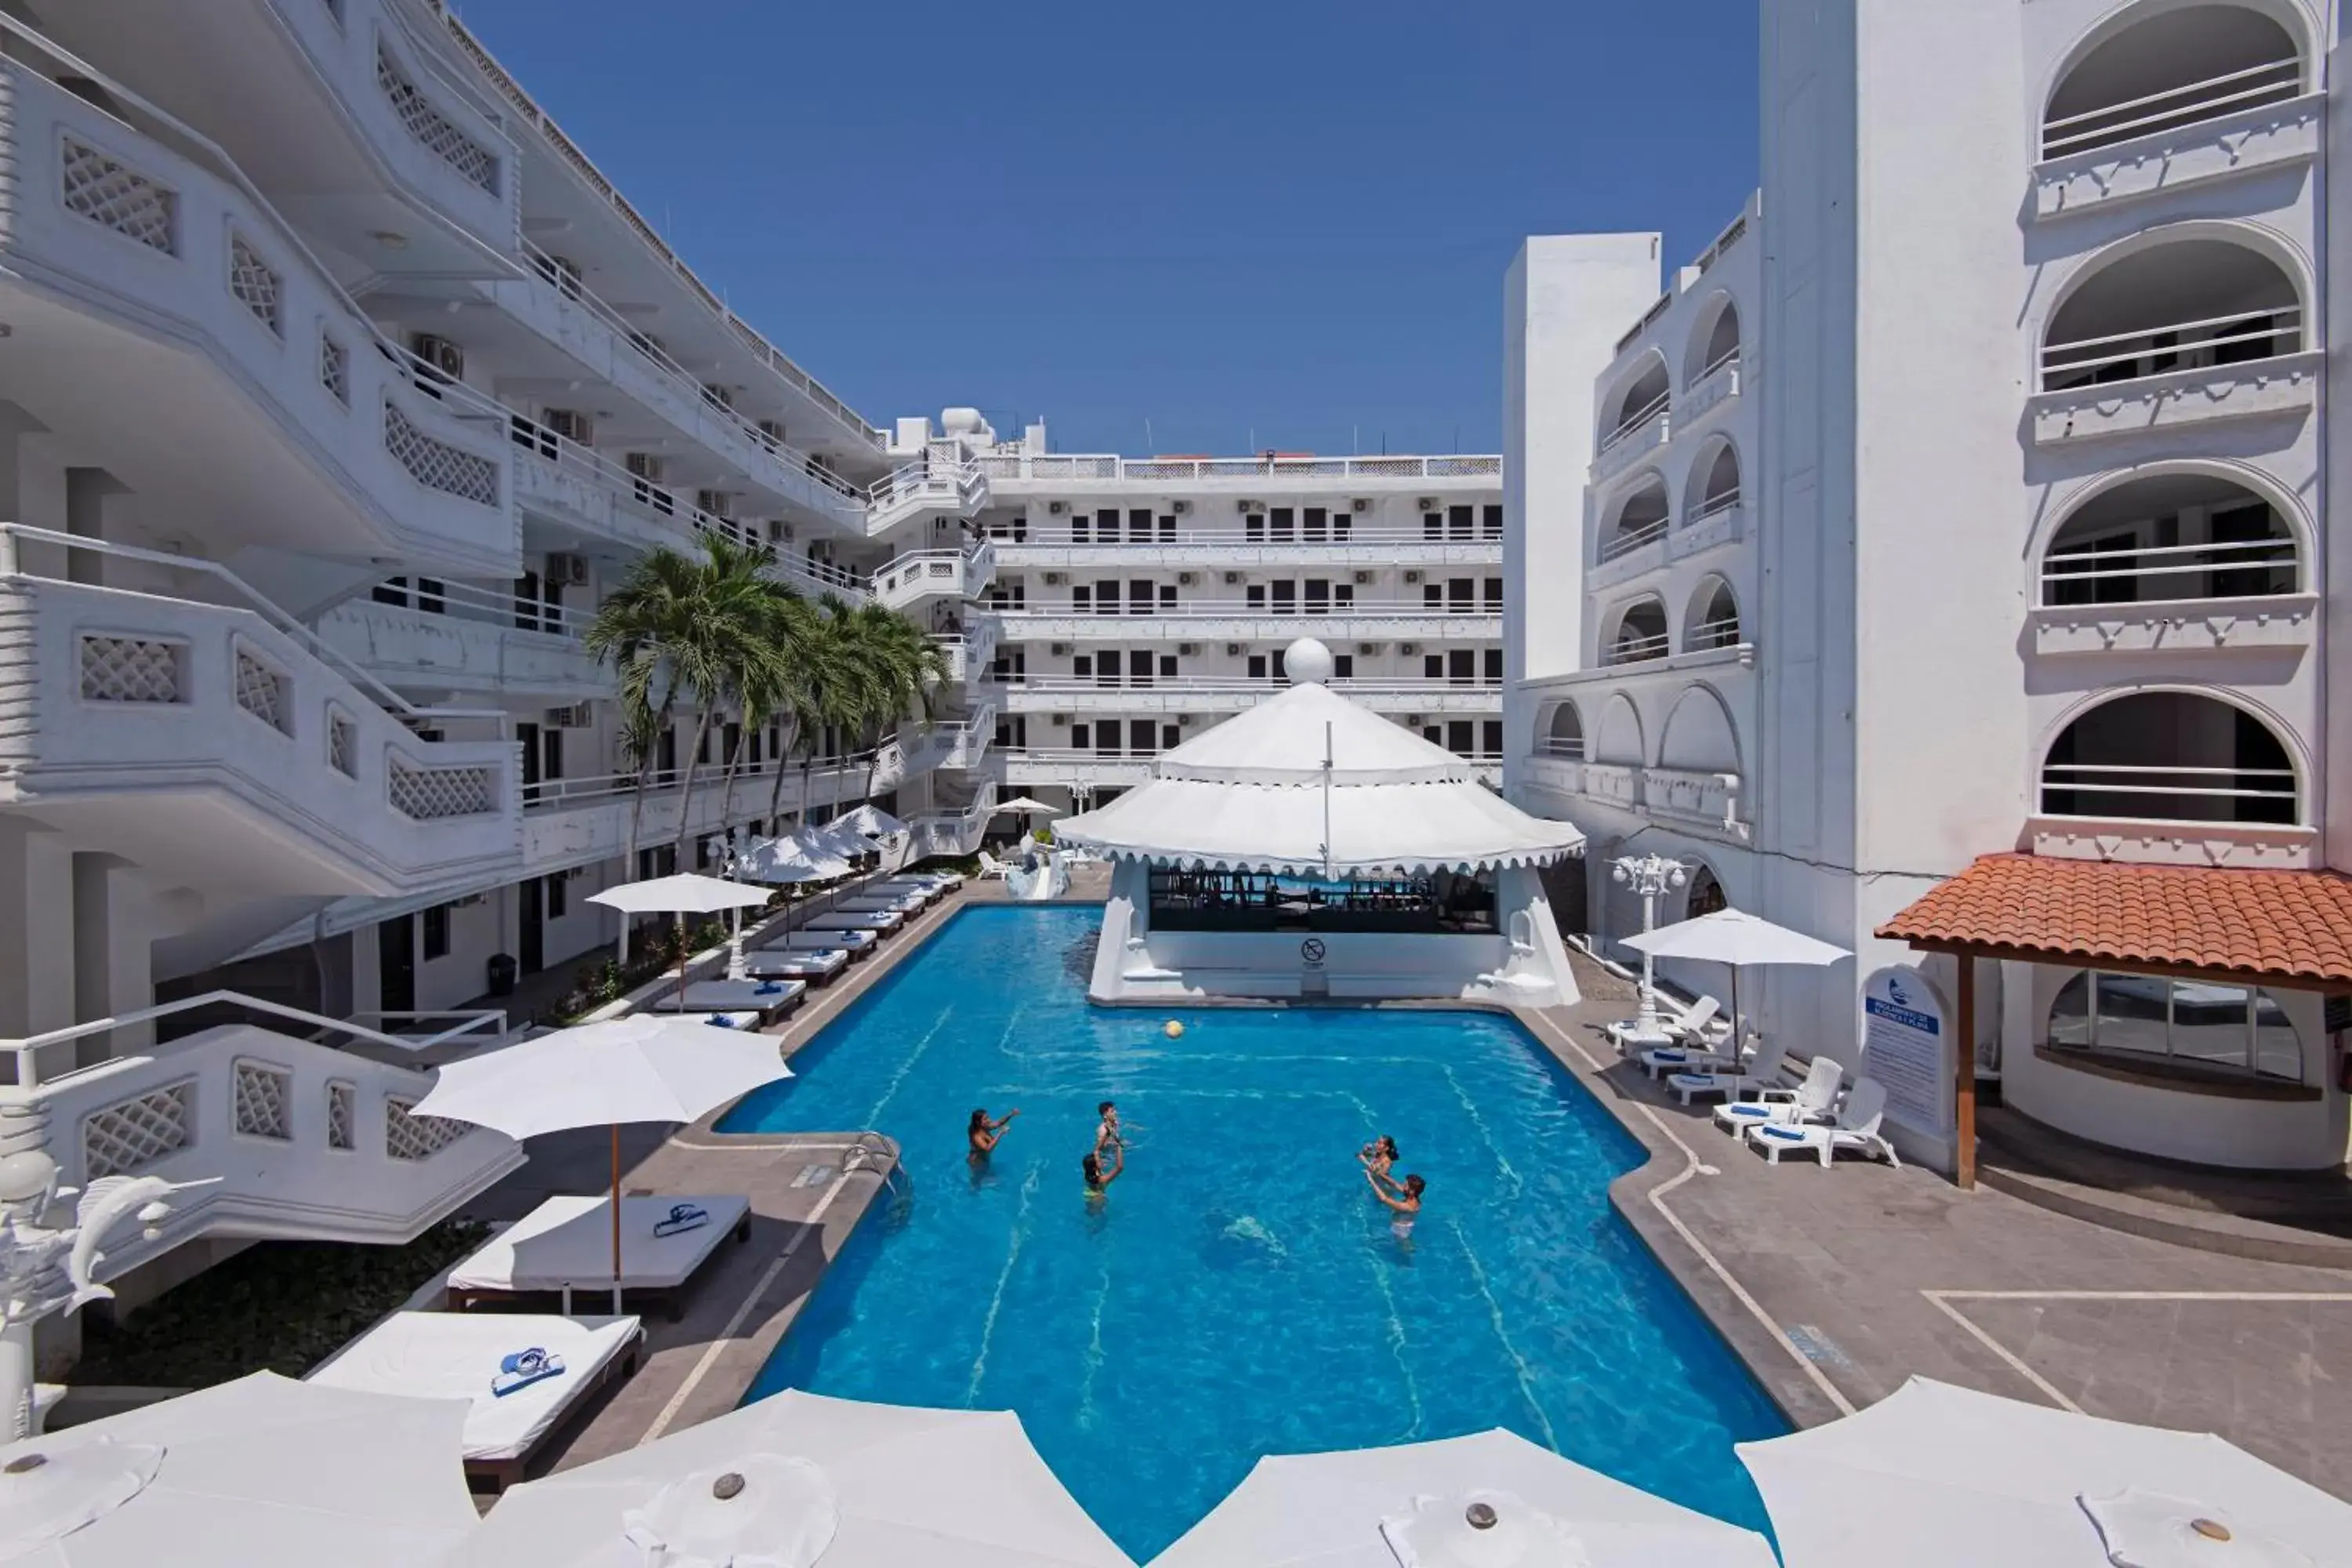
x=1836 y=1286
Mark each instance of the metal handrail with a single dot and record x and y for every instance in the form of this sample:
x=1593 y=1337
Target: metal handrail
x=1277 y=466
x=2286 y=320
x=27 y=1049
x=587 y=789
x=1341 y=535
x=1568 y=747
x=1625 y=542
x=1053 y=685
x=501 y=608
x=2179 y=118
x=2194 y=558
x=1242 y=610
x=1714 y=506
x=1634 y=651
x=1716 y=633
x=256 y=602
x=1656 y=408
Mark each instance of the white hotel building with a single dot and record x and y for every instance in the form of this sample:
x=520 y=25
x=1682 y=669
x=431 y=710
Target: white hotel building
x=337 y=387
x=1968 y=497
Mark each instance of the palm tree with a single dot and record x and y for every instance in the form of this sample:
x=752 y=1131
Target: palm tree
x=837 y=687
x=729 y=646
x=769 y=690
x=639 y=630
x=907 y=670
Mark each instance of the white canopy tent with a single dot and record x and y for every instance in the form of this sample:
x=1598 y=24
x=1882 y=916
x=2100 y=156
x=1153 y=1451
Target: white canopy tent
x=1938 y=1477
x=1311 y=784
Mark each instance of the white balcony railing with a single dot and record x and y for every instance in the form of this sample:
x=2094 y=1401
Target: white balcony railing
x=1625 y=540
x=2173 y=108
x=1566 y=748
x=1653 y=411
x=1723 y=632
x=2240 y=338
x=1713 y=507
x=928 y=574
x=1218 y=545
x=1273 y=465
x=2268 y=794
x=2161 y=572
x=1637 y=649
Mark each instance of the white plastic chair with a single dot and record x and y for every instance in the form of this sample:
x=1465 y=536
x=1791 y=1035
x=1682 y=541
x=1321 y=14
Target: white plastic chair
x=1759 y=1076
x=1812 y=1098
x=1856 y=1128
x=989 y=866
x=1692 y=1021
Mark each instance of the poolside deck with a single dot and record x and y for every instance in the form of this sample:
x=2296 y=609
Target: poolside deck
x=1836 y=1286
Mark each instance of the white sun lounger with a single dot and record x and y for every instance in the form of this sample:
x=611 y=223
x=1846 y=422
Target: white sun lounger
x=929 y=892
x=771 y=999
x=1856 y=1127
x=947 y=882
x=1811 y=1098
x=906 y=901
x=1757 y=1077
x=883 y=921
x=816 y=966
x=1695 y=1020
x=456 y=1355
x=566 y=1244
x=856 y=943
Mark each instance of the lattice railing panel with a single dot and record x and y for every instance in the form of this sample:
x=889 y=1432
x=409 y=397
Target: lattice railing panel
x=437 y=464
x=120 y=197
x=427 y=124
x=408 y=1136
x=130 y=669
x=256 y=284
x=428 y=795
x=261 y=692
x=342 y=1116
x=343 y=746
x=335 y=369
x=265 y=1100
x=134 y=1132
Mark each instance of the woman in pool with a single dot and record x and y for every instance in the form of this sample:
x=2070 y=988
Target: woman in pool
x=1380 y=1155
x=1404 y=1201
x=984 y=1134
x=1099 y=1176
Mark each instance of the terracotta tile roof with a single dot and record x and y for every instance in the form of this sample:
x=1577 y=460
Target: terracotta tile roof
x=2279 y=924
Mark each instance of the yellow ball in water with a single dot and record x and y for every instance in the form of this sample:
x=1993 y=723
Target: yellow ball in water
x=1174 y=1031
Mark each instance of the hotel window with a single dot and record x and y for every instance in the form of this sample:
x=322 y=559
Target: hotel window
x=1254 y=528
x=1458 y=595
x=1168 y=666
x=1490 y=738
x=1491 y=594
x=1081 y=737
x=1083 y=668
x=558 y=896
x=1286 y=598
x=1081 y=529
x=1343 y=595
x=1342 y=521
x=1462 y=667
x=1107 y=598
x=1432 y=525
x=1082 y=598
x=1107 y=526
x=1432 y=596
x=2202 y=1026
x=1319 y=595
x=1433 y=667
x=1107 y=737
x=1492 y=667
x=1138 y=526
x=1283 y=520
x=1140 y=663
x=1171 y=737
x=1167 y=597
x=436 y=931
x=1461 y=522
x=1143 y=736
x=1317 y=522
x=1255 y=596
x=1493 y=522
x=1141 y=598
x=1167 y=530
x=1258 y=667
x=1343 y=667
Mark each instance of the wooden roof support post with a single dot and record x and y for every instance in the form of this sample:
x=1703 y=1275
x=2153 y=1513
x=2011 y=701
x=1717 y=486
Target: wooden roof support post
x=1964 y=1077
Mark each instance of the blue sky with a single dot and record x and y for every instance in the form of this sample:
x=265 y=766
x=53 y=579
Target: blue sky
x=1281 y=225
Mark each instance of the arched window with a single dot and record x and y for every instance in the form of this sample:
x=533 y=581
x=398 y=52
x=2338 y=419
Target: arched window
x=2168 y=537
x=1563 y=734
x=1643 y=399
x=1713 y=621
x=2200 y=1025
x=2193 y=303
x=1719 y=350
x=1714 y=489
x=1638 y=519
x=2169 y=756
x=2168 y=70
x=1640 y=634
x=1706 y=896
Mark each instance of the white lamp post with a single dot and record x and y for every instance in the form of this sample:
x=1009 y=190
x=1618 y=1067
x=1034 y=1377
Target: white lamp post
x=1649 y=876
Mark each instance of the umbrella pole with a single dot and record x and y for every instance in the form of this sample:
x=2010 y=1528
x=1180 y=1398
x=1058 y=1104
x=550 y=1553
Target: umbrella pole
x=616 y=1219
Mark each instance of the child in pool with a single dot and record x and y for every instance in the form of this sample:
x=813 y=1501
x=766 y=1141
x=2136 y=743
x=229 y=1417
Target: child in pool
x=1098 y=1177
x=1106 y=1133
x=1380 y=1155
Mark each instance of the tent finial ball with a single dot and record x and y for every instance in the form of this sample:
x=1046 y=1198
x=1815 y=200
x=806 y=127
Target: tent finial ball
x=1308 y=662
x=1172 y=1029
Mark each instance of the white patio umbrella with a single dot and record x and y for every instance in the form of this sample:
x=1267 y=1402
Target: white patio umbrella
x=872 y=821
x=1938 y=1477
x=798 y=1480
x=637 y=1069
x=787 y=861
x=1738 y=939
x=264 y=1472
x=1026 y=806
x=1490 y=1501
x=682 y=894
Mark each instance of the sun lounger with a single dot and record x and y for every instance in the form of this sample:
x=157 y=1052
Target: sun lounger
x=770 y=999
x=858 y=944
x=946 y=881
x=1687 y=1059
x=1856 y=1127
x=879 y=921
x=929 y=892
x=989 y=866
x=473 y=1356
x=907 y=908
x=566 y=1244
x=752 y=1021
x=1812 y=1097
x=817 y=966
x=1758 y=1078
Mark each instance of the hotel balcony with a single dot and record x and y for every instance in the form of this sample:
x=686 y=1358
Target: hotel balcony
x=1189 y=694
x=1339 y=544
x=942 y=483
x=1035 y=767
x=146 y=291
x=579 y=821
x=458 y=637
x=1021 y=473
x=1212 y=621
x=2176 y=102
x=220 y=745
x=921 y=574
x=2172 y=336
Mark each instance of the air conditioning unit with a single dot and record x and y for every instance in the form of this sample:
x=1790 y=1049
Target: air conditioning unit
x=1180 y=508
x=1185 y=579
x=1249 y=506
x=1363 y=577
x=778 y=531
x=1184 y=720
x=1060 y=650
x=1408 y=648
x=1368 y=648
x=579 y=716
x=1413 y=720
x=1233 y=650
x=571 y=424
x=1188 y=651
x=1359 y=504
x=645 y=465
x=1055 y=579
x=1427 y=503
x=1412 y=576
x=1061 y=721
x=1232 y=578
x=1057 y=507
x=440 y=352
x=716 y=502
x=566 y=570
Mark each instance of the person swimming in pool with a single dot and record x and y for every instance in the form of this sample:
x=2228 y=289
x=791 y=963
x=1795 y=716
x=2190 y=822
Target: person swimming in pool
x=1107 y=1132
x=985 y=1133
x=1404 y=1200
x=1380 y=1155
x=1099 y=1176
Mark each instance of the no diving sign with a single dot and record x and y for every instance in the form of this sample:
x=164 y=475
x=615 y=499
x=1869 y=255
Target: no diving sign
x=1310 y=952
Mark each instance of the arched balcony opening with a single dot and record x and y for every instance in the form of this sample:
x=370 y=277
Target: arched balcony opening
x=1561 y=735
x=1713 y=620
x=2170 y=756
x=2184 y=304
x=1643 y=399
x=1716 y=347
x=1714 y=489
x=1619 y=743
x=2170 y=537
x=2203 y=1025
x=1639 y=519
x=1706 y=896
x=2169 y=70
x=1640 y=634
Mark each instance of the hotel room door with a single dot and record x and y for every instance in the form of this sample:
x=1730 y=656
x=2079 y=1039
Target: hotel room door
x=533 y=956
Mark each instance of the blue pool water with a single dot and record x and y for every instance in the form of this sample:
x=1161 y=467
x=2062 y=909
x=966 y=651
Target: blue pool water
x=1238 y=1292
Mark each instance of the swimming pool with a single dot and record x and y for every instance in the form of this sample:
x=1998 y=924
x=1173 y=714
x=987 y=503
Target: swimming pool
x=1238 y=1292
